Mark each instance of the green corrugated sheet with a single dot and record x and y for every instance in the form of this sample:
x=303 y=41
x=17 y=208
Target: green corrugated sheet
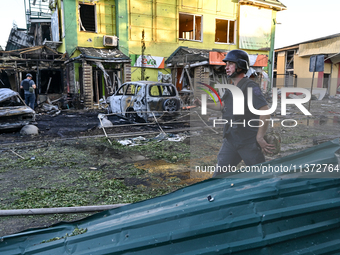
x=282 y=214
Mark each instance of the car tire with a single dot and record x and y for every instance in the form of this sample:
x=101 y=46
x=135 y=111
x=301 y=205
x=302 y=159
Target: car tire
x=170 y=105
x=131 y=115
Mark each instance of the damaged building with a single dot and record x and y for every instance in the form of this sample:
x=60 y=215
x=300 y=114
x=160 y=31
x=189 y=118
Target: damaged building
x=96 y=73
x=43 y=63
x=73 y=58
x=292 y=65
x=95 y=66
x=27 y=52
x=192 y=67
x=102 y=44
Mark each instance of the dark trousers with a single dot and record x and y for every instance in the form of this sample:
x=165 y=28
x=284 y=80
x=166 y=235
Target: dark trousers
x=229 y=155
x=30 y=99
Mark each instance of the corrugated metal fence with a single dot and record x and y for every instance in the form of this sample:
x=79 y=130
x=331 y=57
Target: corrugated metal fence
x=279 y=214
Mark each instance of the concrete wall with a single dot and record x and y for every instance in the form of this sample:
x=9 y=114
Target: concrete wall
x=304 y=80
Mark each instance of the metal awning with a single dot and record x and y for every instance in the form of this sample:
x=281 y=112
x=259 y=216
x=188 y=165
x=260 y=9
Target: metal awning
x=183 y=56
x=104 y=55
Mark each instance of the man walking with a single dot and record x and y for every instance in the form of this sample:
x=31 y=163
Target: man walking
x=28 y=85
x=242 y=141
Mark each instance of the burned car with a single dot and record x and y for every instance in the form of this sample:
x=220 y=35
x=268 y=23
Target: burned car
x=14 y=113
x=142 y=100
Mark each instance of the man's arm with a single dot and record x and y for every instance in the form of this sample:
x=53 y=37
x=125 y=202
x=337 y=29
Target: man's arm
x=33 y=85
x=266 y=147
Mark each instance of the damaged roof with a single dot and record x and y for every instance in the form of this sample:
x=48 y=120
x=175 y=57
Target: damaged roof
x=184 y=55
x=26 y=59
x=112 y=55
x=18 y=39
x=273 y=4
x=281 y=213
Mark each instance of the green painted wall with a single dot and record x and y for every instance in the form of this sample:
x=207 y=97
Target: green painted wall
x=105 y=24
x=160 y=21
x=70 y=25
x=122 y=24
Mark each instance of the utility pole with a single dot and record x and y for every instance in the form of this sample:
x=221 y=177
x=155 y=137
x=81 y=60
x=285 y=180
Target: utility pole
x=143 y=50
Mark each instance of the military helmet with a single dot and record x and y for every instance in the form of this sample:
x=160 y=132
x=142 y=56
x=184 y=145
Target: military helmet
x=239 y=57
x=29 y=75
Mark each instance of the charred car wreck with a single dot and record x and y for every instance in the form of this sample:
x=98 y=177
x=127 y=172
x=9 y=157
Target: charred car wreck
x=14 y=113
x=145 y=100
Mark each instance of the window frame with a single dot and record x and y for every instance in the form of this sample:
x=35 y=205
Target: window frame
x=193 y=28
x=95 y=18
x=171 y=87
x=123 y=89
x=235 y=32
x=129 y=89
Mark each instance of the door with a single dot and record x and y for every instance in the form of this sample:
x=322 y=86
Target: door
x=115 y=100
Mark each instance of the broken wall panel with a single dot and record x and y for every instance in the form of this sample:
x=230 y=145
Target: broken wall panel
x=40 y=61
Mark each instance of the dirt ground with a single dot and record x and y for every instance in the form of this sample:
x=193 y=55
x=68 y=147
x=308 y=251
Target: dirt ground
x=71 y=163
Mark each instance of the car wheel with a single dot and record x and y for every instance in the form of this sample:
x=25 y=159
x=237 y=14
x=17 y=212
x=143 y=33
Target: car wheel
x=131 y=115
x=170 y=105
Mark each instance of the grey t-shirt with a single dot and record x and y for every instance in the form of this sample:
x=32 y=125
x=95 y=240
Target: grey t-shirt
x=241 y=134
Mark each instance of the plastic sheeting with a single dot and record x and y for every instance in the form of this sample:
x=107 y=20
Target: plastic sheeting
x=279 y=215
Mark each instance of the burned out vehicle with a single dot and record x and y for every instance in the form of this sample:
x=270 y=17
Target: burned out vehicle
x=142 y=100
x=14 y=113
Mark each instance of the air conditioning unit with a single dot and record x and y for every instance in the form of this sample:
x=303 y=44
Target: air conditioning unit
x=110 y=40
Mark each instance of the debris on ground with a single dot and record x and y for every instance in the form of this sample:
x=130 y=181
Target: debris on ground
x=104 y=122
x=49 y=109
x=162 y=136
x=29 y=130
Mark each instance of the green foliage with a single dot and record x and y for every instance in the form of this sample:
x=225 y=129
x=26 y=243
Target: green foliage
x=84 y=172
x=76 y=231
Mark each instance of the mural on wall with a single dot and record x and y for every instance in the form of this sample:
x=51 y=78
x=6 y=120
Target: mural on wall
x=255 y=28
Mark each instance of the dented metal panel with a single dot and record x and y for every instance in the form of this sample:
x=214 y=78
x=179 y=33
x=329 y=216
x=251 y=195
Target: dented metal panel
x=14 y=113
x=280 y=214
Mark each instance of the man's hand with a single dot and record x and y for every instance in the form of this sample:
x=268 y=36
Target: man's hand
x=34 y=86
x=267 y=148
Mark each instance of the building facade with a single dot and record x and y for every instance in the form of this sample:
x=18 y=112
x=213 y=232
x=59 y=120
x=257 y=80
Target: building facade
x=105 y=43
x=292 y=65
x=160 y=30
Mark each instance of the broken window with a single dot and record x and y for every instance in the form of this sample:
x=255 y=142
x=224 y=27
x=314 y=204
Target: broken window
x=46 y=32
x=87 y=17
x=11 y=101
x=162 y=90
x=130 y=90
x=121 y=90
x=190 y=27
x=225 y=31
